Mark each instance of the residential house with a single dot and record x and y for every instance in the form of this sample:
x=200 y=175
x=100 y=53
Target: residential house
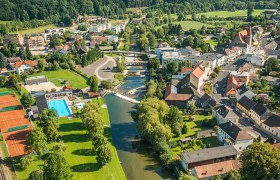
x=271 y=45
x=232 y=85
x=199 y=76
x=204 y=100
x=232 y=53
x=36 y=80
x=245 y=105
x=211 y=171
x=206 y=156
x=248 y=67
x=273 y=81
x=172 y=56
x=34 y=41
x=259 y=113
x=98 y=40
x=163 y=45
x=113 y=38
x=235 y=80
x=225 y=114
x=243 y=91
x=23 y=66
x=185 y=71
x=12 y=60
x=173 y=98
x=230 y=134
x=272 y=53
x=214 y=59
x=263 y=98
x=256 y=59
x=159 y=51
x=272 y=125
x=15 y=38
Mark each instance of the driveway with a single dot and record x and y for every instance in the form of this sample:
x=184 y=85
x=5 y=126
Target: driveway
x=99 y=68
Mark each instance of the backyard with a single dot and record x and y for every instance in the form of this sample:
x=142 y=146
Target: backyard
x=79 y=154
x=57 y=77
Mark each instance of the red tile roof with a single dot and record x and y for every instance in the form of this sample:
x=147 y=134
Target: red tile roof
x=276 y=145
x=28 y=62
x=186 y=69
x=198 y=72
x=220 y=168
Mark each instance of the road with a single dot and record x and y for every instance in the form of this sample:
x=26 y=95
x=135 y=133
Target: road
x=99 y=67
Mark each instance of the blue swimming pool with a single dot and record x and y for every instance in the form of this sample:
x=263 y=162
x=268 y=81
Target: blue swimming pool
x=60 y=106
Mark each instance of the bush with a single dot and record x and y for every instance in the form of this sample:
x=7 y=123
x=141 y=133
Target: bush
x=106 y=84
x=173 y=144
x=185 y=129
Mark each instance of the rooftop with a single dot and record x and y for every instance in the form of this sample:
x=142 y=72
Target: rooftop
x=209 y=153
x=273 y=121
x=259 y=109
x=198 y=72
x=220 y=168
x=247 y=103
x=234 y=131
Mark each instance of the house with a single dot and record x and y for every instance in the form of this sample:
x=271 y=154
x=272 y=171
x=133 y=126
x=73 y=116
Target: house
x=172 y=56
x=235 y=80
x=15 y=38
x=232 y=53
x=256 y=59
x=13 y=60
x=272 y=125
x=159 y=51
x=36 y=80
x=259 y=113
x=243 y=91
x=199 y=76
x=263 y=98
x=23 y=66
x=224 y=114
x=210 y=171
x=34 y=41
x=173 y=98
x=206 y=156
x=232 y=85
x=245 y=105
x=163 y=45
x=230 y=134
x=241 y=77
x=248 y=67
x=273 y=81
x=271 y=45
x=185 y=70
x=204 y=100
x=114 y=38
x=98 y=40
x=213 y=59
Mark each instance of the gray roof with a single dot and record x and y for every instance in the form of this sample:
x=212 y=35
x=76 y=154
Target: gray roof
x=210 y=56
x=259 y=109
x=234 y=131
x=247 y=103
x=273 y=121
x=209 y=153
x=226 y=112
x=242 y=89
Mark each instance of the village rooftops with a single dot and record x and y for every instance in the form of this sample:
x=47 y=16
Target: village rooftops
x=242 y=89
x=186 y=70
x=234 y=131
x=209 y=154
x=226 y=112
x=247 y=103
x=210 y=56
x=220 y=168
x=171 y=94
x=13 y=59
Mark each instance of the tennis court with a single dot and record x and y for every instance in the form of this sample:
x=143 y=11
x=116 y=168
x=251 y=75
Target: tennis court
x=16 y=141
x=13 y=124
x=8 y=100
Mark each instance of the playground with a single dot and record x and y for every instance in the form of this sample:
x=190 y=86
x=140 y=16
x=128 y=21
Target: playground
x=13 y=124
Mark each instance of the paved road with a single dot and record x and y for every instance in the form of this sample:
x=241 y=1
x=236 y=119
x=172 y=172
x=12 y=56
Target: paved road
x=99 y=67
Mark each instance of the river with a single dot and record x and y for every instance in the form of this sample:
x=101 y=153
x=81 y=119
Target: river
x=138 y=163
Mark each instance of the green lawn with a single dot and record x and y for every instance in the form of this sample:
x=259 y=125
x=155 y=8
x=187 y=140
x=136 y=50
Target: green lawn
x=211 y=141
x=78 y=153
x=225 y=14
x=35 y=30
x=13 y=90
x=212 y=42
x=57 y=77
x=186 y=25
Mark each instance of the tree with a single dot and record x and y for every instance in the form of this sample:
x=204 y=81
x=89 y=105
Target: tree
x=41 y=65
x=175 y=120
x=48 y=121
x=188 y=41
x=28 y=52
x=3 y=80
x=59 y=147
x=250 y=9
x=93 y=83
x=261 y=160
x=21 y=53
x=106 y=84
x=192 y=108
x=25 y=161
x=233 y=175
x=36 y=175
x=154 y=63
x=104 y=155
x=51 y=131
x=67 y=21
x=56 y=167
x=143 y=42
x=152 y=40
x=36 y=142
x=3 y=62
x=12 y=80
x=27 y=100
x=213 y=75
x=98 y=141
x=217 y=69
x=121 y=66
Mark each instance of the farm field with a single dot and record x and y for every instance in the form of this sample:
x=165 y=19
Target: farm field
x=57 y=77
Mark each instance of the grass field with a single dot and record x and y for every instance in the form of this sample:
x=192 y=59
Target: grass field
x=225 y=14
x=212 y=42
x=35 y=30
x=186 y=25
x=14 y=91
x=75 y=80
x=78 y=154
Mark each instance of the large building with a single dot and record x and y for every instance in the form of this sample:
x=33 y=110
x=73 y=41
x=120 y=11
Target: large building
x=230 y=134
x=206 y=156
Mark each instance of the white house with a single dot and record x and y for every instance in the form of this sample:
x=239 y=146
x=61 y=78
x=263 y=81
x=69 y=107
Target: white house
x=199 y=76
x=113 y=38
x=231 y=134
x=214 y=59
x=224 y=114
x=272 y=125
x=243 y=91
x=23 y=66
x=159 y=51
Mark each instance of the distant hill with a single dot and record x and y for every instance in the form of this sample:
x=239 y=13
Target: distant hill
x=55 y=10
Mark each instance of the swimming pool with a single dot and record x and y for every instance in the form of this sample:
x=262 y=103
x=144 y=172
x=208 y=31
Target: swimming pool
x=60 y=106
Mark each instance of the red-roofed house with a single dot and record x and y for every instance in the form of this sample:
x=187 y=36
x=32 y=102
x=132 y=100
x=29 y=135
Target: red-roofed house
x=185 y=70
x=98 y=40
x=198 y=76
x=210 y=171
x=22 y=66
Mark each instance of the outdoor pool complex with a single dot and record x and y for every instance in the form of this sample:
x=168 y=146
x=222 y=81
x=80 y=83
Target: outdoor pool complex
x=60 y=106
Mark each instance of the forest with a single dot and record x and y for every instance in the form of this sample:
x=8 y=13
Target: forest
x=54 y=11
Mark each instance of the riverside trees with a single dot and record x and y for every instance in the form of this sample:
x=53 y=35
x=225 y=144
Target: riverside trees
x=155 y=126
x=92 y=119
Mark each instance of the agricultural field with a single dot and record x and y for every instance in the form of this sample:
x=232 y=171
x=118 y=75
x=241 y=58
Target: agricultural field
x=35 y=30
x=186 y=25
x=57 y=77
x=226 y=14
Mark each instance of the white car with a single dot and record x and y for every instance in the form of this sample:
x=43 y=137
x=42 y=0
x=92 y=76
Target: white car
x=217 y=85
x=215 y=92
